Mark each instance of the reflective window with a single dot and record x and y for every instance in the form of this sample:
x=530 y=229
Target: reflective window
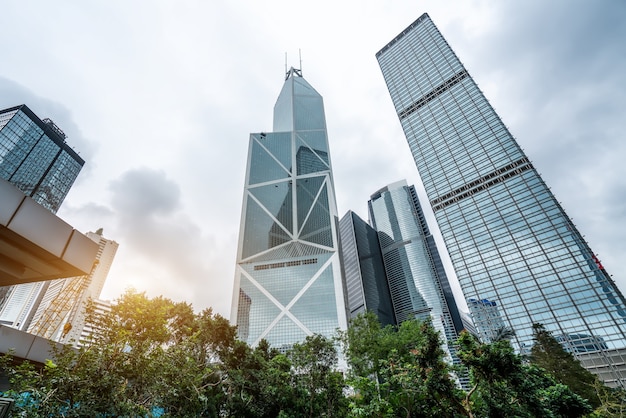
x=288 y=262
x=35 y=159
x=518 y=257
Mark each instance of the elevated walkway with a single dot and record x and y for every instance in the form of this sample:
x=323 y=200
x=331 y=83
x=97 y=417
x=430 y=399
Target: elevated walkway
x=35 y=244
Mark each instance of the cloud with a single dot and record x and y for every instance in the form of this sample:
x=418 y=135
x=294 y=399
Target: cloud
x=162 y=250
x=138 y=194
x=165 y=242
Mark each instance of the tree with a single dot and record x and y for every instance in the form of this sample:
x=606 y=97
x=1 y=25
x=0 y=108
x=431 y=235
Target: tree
x=549 y=354
x=258 y=382
x=315 y=375
x=157 y=358
x=504 y=386
x=399 y=371
x=150 y=357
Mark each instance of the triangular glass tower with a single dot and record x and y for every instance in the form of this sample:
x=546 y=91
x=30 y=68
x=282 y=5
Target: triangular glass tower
x=288 y=278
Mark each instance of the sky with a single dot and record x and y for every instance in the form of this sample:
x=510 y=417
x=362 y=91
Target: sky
x=159 y=97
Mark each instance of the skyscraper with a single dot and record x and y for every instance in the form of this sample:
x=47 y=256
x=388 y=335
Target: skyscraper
x=367 y=288
x=508 y=238
x=288 y=277
x=35 y=158
x=61 y=314
x=417 y=279
x=486 y=317
x=90 y=328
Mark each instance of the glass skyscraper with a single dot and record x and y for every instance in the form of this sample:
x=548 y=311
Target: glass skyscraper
x=508 y=238
x=288 y=282
x=35 y=158
x=486 y=318
x=367 y=288
x=417 y=279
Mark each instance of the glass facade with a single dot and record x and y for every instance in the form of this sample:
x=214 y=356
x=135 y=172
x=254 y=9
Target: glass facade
x=288 y=280
x=486 y=317
x=367 y=288
x=509 y=240
x=417 y=279
x=35 y=158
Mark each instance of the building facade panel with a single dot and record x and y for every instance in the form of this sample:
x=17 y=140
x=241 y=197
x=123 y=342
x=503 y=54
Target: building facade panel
x=367 y=288
x=288 y=280
x=509 y=240
x=35 y=157
x=418 y=284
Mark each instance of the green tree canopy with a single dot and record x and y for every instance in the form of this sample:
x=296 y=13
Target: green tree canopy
x=399 y=371
x=549 y=354
x=148 y=357
x=504 y=386
x=152 y=357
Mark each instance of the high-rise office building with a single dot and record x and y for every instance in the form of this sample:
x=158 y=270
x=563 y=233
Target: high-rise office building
x=61 y=314
x=367 y=289
x=468 y=323
x=508 y=238
x=288 y=281
x=90 y=327
x=417 y=279
x=486 y=318
x=35 y=158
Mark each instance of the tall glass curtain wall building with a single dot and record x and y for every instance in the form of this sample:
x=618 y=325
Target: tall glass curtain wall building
x=288 y=282
x=417 y=279
x=35 y=158
x=367 y=288
x=509 y=240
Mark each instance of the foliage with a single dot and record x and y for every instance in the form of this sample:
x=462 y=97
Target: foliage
x=315 y=374
x=257 y=382
x=157 y=358
x=612 y=402
x=549 y=354
x=504 y=386
x=399 y=371
x=150 y=357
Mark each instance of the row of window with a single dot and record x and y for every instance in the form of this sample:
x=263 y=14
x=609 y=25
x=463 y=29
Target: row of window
x=285 y=264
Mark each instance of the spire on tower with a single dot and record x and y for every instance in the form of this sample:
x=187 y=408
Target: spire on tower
x=291 y=71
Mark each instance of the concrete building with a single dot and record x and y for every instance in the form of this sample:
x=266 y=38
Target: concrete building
x=61 y=314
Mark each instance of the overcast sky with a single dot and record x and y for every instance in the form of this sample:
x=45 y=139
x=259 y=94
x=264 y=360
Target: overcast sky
x=159 y=98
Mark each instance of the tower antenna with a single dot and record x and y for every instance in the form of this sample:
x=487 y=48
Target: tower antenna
x=300 y=55
x=285 y=62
